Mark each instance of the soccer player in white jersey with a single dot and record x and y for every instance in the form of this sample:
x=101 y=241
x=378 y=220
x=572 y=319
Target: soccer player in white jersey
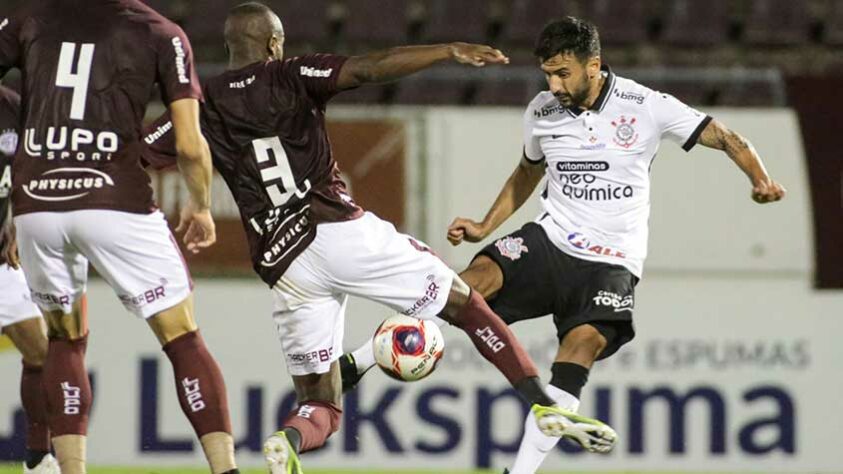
x=594 y=135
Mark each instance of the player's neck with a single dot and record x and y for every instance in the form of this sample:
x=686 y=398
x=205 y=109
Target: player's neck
x=594 y=92
x=239 y=61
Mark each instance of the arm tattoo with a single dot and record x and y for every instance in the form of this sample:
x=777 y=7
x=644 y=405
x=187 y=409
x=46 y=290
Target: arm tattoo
x=719 y=137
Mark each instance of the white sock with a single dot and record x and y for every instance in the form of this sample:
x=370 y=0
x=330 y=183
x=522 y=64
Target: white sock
x=364 y=357
x=535 y=446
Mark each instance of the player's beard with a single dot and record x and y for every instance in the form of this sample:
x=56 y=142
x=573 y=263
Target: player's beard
x=576 y=99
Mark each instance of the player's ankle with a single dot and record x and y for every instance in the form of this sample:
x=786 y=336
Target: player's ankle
x=532 y=390
x=294 y=438
x=71 y=453
x=219 y=451
x=34 y=458
x=569 y=377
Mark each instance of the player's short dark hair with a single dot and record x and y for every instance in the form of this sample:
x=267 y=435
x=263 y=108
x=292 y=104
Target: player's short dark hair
x=569 y=35
x=250 y=8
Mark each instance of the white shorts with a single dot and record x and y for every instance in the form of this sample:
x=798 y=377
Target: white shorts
x=365 y=257
x=135 y=253
x=15 y=303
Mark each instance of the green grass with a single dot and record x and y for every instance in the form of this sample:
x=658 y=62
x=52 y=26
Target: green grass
x=15 y=469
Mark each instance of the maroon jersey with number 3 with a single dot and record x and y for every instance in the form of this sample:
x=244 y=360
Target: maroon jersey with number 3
x=89 y=67
x=265 y=124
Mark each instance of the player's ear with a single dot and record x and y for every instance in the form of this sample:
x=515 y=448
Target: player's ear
x=592 y=67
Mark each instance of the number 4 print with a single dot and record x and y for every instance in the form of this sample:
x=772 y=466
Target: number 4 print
x=281 y=170
x=65 y=77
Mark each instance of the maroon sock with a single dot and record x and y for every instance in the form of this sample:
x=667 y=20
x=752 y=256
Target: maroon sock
x=315 y=422
x=493 y=338
x=35 y=405
x=67 y=388
x=199 y=384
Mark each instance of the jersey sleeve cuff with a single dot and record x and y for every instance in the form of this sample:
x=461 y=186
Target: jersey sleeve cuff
x=692 y=140
x=532 y=160
x=186 y=95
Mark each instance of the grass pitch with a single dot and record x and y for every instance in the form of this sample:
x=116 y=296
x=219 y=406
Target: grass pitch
x=16 y=469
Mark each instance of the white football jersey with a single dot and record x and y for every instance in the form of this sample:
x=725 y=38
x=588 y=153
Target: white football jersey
x=596 y=203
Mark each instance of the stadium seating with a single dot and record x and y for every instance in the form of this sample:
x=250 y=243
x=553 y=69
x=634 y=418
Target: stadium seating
x=525 y=18
x=834 y=24
x=513 y=91
x=391 y=27
x=449 y=20
x=777 y=23
x=432 y=91
x=305 y=21
x=635 y=33
x=695 y=23
x=621 y=21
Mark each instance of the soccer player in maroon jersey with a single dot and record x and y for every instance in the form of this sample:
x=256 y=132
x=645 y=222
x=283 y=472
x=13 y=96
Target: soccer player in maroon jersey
x=20 y=319
x=79 y=196
x=265 y=122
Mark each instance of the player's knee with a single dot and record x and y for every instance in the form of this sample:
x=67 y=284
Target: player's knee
x=586 y=339
x=484 y=275
x=35 y=356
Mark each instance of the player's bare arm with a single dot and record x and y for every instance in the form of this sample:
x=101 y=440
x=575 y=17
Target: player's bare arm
x=740 y=150
x=514 y=193
x=395 y=63
x=194 y=161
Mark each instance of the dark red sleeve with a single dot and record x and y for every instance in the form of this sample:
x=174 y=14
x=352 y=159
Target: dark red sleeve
x=10 y=48
x=318 y=73
x=159 y=144
x=176 y=72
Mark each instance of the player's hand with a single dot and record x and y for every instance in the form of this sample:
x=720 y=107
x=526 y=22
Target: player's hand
x=477 y=54
x=465 y=229
x=198 y=227
x=9 y=253
x=766 y=190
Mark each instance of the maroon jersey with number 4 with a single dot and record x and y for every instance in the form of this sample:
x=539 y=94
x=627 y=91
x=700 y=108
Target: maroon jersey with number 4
x=89 y=67
x=265 y=124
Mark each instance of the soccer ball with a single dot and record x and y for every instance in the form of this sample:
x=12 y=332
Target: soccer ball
x=408 y=349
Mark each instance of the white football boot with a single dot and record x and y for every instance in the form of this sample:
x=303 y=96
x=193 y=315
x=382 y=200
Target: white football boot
x=48 y=465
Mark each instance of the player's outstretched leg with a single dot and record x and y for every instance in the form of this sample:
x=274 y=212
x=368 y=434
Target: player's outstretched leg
x=579 y=349
x=309 y=425
x=29 y=338
x=199 y=384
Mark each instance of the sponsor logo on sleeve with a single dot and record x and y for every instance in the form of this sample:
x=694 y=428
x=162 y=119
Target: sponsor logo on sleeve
x=181 y=63
x=548 y=110
x=158 y=133
x=511 y=247
x=313 y=72
x=631 y=96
